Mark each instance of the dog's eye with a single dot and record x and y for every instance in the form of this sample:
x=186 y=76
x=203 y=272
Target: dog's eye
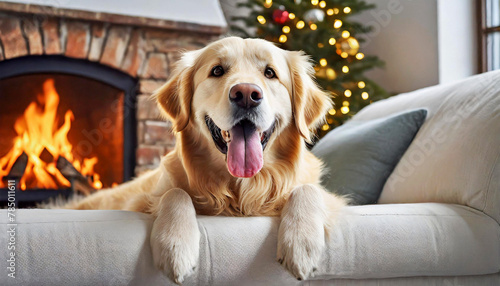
x=269 y=73
x=217 y=71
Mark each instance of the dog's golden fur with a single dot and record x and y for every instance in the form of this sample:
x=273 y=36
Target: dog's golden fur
x=196 y=168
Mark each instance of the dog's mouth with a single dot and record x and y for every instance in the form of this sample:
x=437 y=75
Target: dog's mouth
x=243 y=144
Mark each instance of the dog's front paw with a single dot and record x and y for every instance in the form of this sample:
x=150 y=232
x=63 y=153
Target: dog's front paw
x=176 y=256
x=300 y=246
x=175 y=237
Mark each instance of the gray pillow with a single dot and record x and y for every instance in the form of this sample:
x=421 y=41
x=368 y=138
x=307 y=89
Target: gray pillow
x=359 y=156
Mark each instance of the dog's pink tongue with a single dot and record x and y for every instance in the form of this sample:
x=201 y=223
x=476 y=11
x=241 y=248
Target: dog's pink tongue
x=244 y=154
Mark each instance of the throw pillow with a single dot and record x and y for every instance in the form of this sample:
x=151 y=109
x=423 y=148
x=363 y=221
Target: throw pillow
x=359 y=156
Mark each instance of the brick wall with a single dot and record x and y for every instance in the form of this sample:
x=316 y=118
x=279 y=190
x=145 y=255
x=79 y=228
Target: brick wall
x=145 y=53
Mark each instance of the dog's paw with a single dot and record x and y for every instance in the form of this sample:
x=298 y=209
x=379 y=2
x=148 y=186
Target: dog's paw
x=175 y=237
x=177 y=257
x=300 y=246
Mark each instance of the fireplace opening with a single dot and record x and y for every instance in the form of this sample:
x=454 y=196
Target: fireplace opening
x=66 y=125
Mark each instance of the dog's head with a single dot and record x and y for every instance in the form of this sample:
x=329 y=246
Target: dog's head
x=241 y=94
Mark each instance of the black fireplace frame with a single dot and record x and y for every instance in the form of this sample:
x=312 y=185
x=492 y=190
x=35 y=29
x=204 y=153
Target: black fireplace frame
x=56 y=64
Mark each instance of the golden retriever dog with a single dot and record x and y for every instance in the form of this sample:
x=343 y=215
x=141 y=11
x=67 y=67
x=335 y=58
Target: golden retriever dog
x=241 y=110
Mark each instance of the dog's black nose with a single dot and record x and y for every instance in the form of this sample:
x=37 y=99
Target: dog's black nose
x=246 y=95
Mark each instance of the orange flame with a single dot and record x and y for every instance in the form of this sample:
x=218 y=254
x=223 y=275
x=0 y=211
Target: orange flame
x=37 y=131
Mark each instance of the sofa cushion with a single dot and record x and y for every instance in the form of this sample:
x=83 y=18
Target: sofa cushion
x=67 y=247
x=359 y=156
x=455 y=157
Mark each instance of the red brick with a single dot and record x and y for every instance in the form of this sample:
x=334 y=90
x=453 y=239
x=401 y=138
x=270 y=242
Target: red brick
x=158 y=132
x=32 y=31
x=173 y=57
x=140 y=132
x=159 y=34
x=135 y=55
x=147 y=108
x=148 y=86
x=99 y=32
x=165 y=41
x=149 y=155
x=78 y=37
x=116 y=44
x=51 y=41
x=12 y=38
x=156 y=67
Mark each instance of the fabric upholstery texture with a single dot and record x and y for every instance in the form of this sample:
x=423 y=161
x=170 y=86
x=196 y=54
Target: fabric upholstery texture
x=61 y=247
x=455 y=157
x=359 y=156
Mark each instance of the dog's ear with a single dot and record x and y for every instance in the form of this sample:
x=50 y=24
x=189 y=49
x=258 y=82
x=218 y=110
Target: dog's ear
x=309 y=102
x=175 y=96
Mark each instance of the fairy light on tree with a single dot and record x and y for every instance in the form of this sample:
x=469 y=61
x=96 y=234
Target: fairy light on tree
x=325 y=30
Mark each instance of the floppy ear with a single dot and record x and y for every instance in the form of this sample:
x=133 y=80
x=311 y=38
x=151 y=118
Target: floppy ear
x=175 y=96
x=309 y=102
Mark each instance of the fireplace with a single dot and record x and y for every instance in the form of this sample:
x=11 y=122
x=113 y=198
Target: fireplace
x=88 y=75
x=56 y=109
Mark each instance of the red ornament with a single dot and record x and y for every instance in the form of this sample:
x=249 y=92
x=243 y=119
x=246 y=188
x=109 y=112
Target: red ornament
x=280 y=16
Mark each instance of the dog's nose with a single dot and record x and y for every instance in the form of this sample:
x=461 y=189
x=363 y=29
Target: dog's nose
x=246 y=95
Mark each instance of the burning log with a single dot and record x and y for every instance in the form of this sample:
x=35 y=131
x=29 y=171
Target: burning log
x=77 y=180
x=17 y=170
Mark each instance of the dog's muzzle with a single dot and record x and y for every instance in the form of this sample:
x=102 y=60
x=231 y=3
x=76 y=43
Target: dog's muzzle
x=242 y=144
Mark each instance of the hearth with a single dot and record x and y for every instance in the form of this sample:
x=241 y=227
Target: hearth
x=69 y=124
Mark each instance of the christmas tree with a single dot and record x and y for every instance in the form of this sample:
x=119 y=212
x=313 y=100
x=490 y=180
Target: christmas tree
x=323 y=30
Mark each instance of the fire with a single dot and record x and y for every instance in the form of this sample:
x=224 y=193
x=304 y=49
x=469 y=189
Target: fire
x=37 y=133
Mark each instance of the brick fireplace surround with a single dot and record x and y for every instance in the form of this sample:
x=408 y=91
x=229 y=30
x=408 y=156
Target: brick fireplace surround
x=142 y=47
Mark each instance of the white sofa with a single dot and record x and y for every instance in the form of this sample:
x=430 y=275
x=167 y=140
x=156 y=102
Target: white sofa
x=437 y=222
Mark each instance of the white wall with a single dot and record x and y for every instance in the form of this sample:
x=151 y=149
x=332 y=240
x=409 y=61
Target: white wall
x=457 y=34
x=405 y=36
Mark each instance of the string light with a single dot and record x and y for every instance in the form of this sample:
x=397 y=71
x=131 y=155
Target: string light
x=364 y=95
x=347 y=10
x=323 y=62
x=344 y=55
x=322 y=4
x=283 y=38
x=325 y=127
x=337 y=24
x=347 y=93
x=360 y=56
x=330 y=74
x=344 y=109
x=320 y=45
x=336 y=10
x=332 y=41
x=268 y=3
x=345 y=69
x=291 y=16
x=300 y=24
x=332 y=111
x=286 y=29
x=345 y=34
x=329 y=12
x=261 y=19
x=361 y=84
x=313 y=26
x=314 y=2
x=345 y=103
